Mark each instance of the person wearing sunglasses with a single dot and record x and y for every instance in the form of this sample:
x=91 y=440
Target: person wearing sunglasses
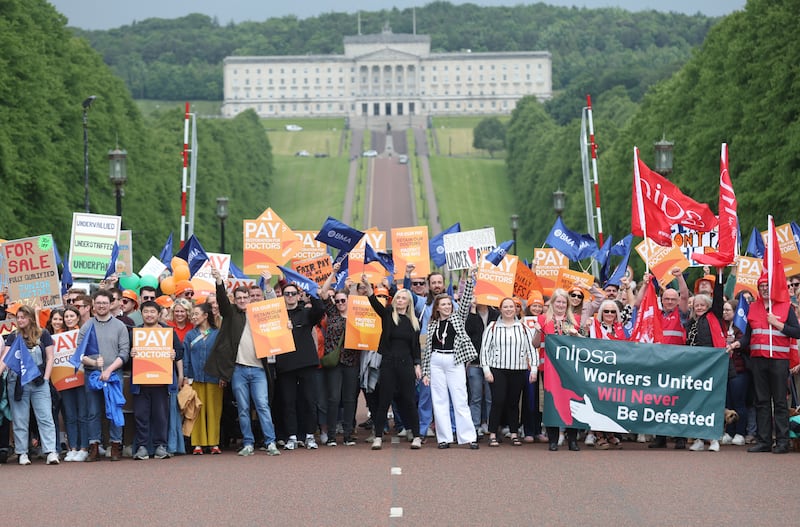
x=83 y=303
x=184 y=289
x=794 y=287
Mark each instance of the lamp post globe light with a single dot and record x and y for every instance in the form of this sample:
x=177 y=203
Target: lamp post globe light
x=664 y=156
x=87 y=103
x=118 y=174
x=514 y=227
x=559 y=201
x=222 y=214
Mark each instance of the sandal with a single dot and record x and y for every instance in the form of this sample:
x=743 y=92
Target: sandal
x=615 y=442
x=493 y=442
x=516 y=441
x=601 y=444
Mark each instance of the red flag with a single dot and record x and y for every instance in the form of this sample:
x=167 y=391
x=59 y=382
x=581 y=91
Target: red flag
x=648 y=319
x=663 y=205
x=728 y=219
x=773 y=264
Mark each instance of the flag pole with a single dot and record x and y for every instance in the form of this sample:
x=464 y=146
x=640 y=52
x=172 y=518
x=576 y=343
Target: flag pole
x=639 y=203
x=770 y=267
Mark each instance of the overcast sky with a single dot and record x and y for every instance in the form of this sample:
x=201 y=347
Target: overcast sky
x=105 y=14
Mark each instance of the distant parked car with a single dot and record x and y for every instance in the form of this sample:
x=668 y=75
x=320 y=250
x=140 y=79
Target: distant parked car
x=403 y=159
x=302 y=153
x=320 y=154
x=293 y=128
x=370 y=153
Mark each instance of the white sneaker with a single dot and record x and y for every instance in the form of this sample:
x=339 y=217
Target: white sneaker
x=738 y=440
x=80 y=456
x=641 y=438
x=377 y=443
x=247 y=450
x=23 y=459
x=70 y=456
x=726 y=439
x=52 y=458
x=697 y=446
x=311 y=443
x=402 y=433
x=416 y=444
x=323 y=437
x=485 y=428
x=561 y=439
x=505 y=431
x=272 y=450
x=430 y=433
x=714 y=446
x=590 y=439
x=291 y=444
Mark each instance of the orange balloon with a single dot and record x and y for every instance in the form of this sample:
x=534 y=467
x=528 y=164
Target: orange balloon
x=177 y=261
x=180 y=272
x=168 y=285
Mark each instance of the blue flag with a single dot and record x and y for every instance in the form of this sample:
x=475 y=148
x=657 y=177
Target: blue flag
x=341 y=276
x=564 y=240
x=796 y=234
x=55 y=250
x=341 y=257
x=306 y=284
x=166 y=253
x=19 y=360
x=740 y=317
x=88 y=347
x=66 y=278
x=498 y=253
x=112 y=265
x=194 y=254
x=235 y=271
x=603 y=258
x=340 y=235
x=436 y=244
x=624 y=244
x=587 y=247
x=371 y=255
x=755 y=247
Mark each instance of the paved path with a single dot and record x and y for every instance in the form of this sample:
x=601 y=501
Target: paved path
x=434 y=224
x=345 y=486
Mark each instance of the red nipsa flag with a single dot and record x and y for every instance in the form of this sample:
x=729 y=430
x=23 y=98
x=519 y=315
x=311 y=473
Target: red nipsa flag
x=728 y=219
x=773 y=263
x=648 y=318
x=663 y=205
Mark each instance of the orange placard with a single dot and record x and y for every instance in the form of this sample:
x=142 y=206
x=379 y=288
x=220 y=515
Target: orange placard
x=269 y=325
x=310 y=247
x=525 y=281
x=567 y=279
x=549 y=263
x=662 y=260
x=355 y=265
x=748 y=270
x=789 y=253
x=317 y=269
x=410 y=246
x=64 y=375
x=153 y=363
x=495 y=282
x=268 y=243
x=363 y=325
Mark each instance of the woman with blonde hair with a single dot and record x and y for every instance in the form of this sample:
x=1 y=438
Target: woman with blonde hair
x=400 y=362
x=34 y=395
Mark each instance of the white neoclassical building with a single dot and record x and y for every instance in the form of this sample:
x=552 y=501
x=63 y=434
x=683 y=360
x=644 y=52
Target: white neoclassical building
x=385 y=74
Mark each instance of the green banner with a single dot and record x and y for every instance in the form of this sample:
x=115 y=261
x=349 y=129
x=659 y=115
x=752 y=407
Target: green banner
x=619 y=386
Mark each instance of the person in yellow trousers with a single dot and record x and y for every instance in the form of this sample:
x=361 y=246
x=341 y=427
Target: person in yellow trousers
x=198 y=344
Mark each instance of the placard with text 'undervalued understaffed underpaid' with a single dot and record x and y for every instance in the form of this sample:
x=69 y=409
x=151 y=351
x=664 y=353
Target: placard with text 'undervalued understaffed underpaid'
x=620 y=386
x=93 y=237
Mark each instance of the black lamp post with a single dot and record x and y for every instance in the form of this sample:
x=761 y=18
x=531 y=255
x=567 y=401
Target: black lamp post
x=559 y=201
x=86 y=105
x=222 y=214
x=664 y=156
x=118 y=174
x=514 y=227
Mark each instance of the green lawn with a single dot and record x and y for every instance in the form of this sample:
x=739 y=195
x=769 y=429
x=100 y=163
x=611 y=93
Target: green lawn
x=306 y=190
x=477 y=193
x=313 y=141
x=318 y=124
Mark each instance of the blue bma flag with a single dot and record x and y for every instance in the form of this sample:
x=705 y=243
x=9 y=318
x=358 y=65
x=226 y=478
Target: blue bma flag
x=755 y=247
x=306 y=284
x=19 y=360
x=88 y=346
x=371 y=255
x=194 y=254
x=498 y=253
x=587 y=246
x=112 y=265
x=564 y=240
x=341 y=276
x=740 y=317
x=436 y=244
x=166 y=253
x=795 y=233
x=622 y=245
x=340 y=235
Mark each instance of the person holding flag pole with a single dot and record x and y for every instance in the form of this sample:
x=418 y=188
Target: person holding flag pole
x=771 y=324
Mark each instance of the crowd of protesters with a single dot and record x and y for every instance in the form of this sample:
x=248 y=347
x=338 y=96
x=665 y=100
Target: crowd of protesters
x=446 y=368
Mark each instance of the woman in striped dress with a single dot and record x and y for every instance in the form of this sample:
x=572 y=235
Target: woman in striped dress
x=509 y=358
